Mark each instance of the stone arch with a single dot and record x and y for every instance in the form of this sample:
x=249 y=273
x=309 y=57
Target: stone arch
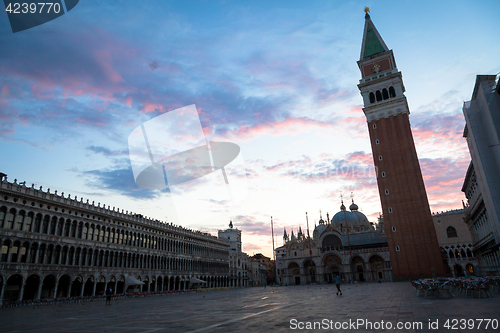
x=469 y=269
x=458 y=270
x=12 y=288
x=332 y=266
x=172 y=283
x=120 y=285
x=76 y=286
x=331 y=242
x=358 y=269
x=101 y=285
x=31 y=287
x=48 y=286
x=88 y=289
x=63 y=286
x=177 y=283
x=294 y=273
x=376 y=268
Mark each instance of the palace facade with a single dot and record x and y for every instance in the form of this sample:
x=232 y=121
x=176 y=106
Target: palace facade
x=56 y=246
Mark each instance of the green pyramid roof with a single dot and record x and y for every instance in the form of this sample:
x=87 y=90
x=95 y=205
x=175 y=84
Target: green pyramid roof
x=372 y=41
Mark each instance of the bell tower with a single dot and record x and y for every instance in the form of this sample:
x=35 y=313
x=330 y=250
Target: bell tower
x=411 y=236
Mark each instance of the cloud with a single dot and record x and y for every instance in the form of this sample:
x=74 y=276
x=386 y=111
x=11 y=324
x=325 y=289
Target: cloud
x=120 y=181
x=106 y=151
x=355 y=167
x=249 y=225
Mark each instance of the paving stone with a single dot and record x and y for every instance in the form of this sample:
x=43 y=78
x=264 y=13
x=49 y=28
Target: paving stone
x=253 y=310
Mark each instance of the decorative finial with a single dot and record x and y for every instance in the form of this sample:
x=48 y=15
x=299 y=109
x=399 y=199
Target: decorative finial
x=367 y=10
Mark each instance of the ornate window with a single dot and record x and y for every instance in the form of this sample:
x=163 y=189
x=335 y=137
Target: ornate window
x=372 y=97
x=379 y=95
x=451 y=232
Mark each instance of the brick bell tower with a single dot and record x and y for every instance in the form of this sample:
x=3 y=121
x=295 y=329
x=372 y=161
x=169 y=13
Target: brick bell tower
x=411 y=236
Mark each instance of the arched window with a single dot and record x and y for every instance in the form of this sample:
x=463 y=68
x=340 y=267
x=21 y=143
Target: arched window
x=451 y=232
x=9 y=221
x=379 y=95
x=372 y=97
x=385 y=95
x=392 y=92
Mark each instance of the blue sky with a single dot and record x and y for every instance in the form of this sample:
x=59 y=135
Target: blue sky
x=277 y=78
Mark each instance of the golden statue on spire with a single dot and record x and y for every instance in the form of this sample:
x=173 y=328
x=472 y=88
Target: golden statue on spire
x=367 y=10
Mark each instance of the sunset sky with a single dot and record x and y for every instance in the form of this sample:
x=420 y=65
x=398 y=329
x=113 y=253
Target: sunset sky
x=278 y=78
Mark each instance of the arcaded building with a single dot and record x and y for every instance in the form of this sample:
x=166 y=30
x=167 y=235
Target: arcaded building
x=346 y=245
x=55 y=246
x=482 y=180
x=455 y=241
x=411 y=236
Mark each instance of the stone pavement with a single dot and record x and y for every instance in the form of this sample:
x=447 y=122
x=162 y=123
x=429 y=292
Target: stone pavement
x=259 y=310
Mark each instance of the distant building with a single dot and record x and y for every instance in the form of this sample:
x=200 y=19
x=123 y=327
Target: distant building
x=55 y=246
x=269 y=265
x=347 y=245
x=258 y=273
x=411 y=238
x=482 y=180
x=239 y=262
x=455 y=241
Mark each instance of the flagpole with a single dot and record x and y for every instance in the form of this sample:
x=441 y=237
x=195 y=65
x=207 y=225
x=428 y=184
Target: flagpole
x=274 y=253
x=310 y=248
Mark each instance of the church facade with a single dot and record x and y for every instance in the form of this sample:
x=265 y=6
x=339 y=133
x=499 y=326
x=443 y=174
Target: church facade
x=346 y=245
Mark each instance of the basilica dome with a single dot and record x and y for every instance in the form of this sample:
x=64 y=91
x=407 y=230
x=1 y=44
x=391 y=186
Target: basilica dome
x=355 y=219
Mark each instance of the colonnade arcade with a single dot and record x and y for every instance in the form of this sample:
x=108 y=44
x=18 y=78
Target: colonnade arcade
x=52 y=247
x=18 y=287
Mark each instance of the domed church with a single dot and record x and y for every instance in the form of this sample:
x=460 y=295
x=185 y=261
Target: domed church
x=347 y=244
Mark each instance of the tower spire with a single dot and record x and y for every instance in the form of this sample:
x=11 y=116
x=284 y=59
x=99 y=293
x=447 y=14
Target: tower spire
x=372 y=41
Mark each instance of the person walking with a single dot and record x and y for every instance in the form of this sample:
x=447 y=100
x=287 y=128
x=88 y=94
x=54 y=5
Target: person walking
x=109 y=294
x=336 y=279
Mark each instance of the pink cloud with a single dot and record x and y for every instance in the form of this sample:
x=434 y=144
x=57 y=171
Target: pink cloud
x=152 y=107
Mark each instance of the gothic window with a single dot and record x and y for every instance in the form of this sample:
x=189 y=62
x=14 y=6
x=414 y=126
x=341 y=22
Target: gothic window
x=451 y=232
x=379 y=95
x=372 y=97
x=392 y=92
x=385 y=95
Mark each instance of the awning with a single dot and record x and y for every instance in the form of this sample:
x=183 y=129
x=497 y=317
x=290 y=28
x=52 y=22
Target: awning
x=132 y=281
x=196 y=280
